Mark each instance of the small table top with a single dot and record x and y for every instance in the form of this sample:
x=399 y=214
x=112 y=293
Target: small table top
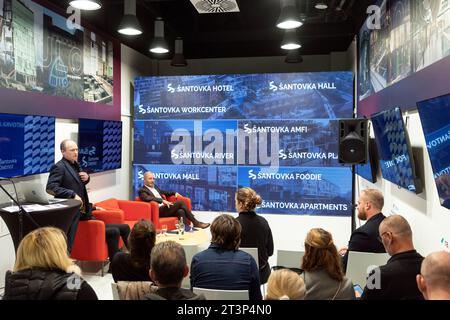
x=197 y=238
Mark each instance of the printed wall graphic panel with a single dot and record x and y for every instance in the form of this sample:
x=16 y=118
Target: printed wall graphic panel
x=43 y=54
x=406 y=57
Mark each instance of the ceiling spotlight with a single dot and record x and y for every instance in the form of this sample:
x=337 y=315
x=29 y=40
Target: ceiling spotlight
x=290 y=40
x=321 y=5
x=293 y=56
x=178 y=59
x=130 y=24
x=289 y=18
x=86 y=4
x=159 y=44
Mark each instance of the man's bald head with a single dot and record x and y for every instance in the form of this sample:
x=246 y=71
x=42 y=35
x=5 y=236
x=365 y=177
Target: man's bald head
x=69 y=150
x=397 y=225
x=436 y=269
x=149 y=179
x=396 y=235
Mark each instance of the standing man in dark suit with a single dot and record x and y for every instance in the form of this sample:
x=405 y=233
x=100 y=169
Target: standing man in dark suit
x=150 y=192
x=67 y=180
x=365 y=238
x=396 y=280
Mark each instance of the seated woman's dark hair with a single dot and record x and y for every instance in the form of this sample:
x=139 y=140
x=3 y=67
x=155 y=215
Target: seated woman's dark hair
x=321 y=253
x=226 y=232
x=141 y=242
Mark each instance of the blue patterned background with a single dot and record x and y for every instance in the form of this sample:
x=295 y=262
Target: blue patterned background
x=394 y=149
x=27 y=144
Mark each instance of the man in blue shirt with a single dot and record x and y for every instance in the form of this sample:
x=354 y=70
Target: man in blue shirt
x=223 y=266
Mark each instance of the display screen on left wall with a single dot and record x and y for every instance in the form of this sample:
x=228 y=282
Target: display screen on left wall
x=27 y=144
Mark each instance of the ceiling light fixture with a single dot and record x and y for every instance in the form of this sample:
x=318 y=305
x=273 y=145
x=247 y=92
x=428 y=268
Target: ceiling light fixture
x=321 y=5
x=289 y=18
x=293 y=56
x=178 y=59
x=159 y=44
x=86 y=4
x=290 y=40
x=130 y=25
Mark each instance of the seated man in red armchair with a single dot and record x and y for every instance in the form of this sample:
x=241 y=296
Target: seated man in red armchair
x=150 y=192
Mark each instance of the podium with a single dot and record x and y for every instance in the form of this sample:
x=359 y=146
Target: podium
x=60 y=218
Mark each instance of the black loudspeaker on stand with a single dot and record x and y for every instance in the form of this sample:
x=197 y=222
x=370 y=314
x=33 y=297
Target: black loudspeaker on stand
x=353 y=141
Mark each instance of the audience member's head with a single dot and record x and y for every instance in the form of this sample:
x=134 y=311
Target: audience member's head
x=285 y=284
x=247 y=200
x=321 y=253
x=149 y=179
x=226 y=232
x=141 y=242
x=371 y=202
x=434 y=278
x=168 y=264
x=396 y=234
x=44 y=248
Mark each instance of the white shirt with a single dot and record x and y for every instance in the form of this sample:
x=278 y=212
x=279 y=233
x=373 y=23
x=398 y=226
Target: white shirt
x=156 y=194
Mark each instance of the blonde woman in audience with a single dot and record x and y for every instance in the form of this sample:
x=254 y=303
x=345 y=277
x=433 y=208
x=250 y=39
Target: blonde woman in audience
x=322 y=266
x=285 y=284
x=256 y=231
x=44 y=271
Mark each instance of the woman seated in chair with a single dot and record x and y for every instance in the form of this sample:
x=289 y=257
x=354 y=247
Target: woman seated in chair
x=255 y=229
x=44 y=271
x=135 y=266
x=222 y=266
x=322 y=266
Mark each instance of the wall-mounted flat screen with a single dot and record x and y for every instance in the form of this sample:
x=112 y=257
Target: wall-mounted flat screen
x=435 y=117
x=100 y=145
x=27 y=144
x=396 y=161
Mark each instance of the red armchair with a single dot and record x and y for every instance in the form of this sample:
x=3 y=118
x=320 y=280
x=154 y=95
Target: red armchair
x=90 y=242
x=169 y=221
x=132 y=211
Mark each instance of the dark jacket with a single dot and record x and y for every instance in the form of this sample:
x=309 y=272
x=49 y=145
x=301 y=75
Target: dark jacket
x=256 y=233
x=398 y=278
x=365 y=238
x=64 y=182
x=123 y=269
x=146 y=195
x=217 y=268
x=173 y=294
x=43 y=284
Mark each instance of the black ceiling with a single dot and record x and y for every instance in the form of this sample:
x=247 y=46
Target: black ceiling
x=248 y=33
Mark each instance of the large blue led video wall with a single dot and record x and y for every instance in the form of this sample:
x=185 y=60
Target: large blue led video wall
x=27 y=144
x=207 y=136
